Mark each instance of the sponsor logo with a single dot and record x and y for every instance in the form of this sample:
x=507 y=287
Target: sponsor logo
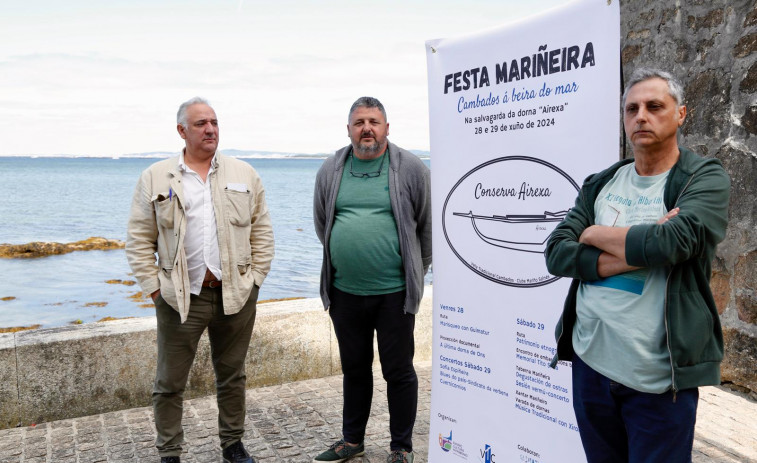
x=487 y=455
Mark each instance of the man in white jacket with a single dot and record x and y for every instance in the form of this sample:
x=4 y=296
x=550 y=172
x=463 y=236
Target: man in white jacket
x=206 y=217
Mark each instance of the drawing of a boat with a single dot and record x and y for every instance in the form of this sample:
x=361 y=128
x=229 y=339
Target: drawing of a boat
x=519 y=232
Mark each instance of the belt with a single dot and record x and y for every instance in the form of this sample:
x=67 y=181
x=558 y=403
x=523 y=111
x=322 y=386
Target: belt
x=212 y=283
x=210 y=280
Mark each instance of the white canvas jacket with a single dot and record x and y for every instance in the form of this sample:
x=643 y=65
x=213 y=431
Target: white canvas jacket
x=157 y=223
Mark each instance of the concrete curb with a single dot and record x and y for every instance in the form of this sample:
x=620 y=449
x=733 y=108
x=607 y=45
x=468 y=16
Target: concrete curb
x=67 y=372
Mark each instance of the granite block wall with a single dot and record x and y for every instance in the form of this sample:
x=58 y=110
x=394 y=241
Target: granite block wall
x=712 y=47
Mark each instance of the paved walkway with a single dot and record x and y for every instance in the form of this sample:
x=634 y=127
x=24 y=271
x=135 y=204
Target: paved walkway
x=293 y=422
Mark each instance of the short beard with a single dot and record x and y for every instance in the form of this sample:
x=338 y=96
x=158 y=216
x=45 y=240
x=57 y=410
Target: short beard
x=370 y=150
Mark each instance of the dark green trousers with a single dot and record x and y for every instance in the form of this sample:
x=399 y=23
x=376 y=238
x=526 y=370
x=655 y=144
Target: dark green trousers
x=229 y=337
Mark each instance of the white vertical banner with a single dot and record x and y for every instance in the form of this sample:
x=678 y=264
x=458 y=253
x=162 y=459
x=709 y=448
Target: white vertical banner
x=519 y=116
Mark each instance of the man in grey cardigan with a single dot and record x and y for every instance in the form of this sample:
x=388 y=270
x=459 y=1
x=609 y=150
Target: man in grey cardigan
x=372 y=213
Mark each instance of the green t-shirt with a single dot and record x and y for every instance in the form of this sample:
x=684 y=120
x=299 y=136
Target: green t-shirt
x=364 y=246
x=620 y=325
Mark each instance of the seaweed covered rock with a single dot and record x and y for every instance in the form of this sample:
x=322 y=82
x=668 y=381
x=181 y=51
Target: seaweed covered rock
x=43 y=249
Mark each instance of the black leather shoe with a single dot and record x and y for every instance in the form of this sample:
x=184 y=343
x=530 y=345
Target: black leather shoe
x=235 y=453
x=170 y=460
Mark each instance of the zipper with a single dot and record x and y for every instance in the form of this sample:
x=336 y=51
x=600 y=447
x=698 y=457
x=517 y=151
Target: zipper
x=665 y=308
x=667 y=337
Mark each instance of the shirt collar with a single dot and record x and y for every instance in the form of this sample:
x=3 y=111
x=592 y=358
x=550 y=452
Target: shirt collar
x=184 y=168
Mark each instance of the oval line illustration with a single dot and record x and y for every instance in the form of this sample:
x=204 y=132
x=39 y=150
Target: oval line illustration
x=514 y=232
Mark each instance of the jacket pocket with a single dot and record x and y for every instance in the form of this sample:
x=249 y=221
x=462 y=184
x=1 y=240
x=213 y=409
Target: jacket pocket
x=691 y=330
x=163 y=211
x=244 y=263
x=238 y=207
x=167 y=288
x=239 y=216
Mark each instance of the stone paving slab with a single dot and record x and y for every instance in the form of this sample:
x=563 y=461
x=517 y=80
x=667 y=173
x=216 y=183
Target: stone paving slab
x=293 y=422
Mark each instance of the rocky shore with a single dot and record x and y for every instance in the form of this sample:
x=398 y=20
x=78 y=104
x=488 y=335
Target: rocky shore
x=43 y=249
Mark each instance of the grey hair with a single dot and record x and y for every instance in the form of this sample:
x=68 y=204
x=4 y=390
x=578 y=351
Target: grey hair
x=366 y=102
x=640 y=75
x=181 y=114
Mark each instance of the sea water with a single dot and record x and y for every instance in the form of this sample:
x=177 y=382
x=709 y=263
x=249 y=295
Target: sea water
x=71 y=199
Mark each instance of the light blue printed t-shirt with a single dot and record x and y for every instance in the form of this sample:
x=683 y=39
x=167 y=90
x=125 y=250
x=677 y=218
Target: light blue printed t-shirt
x=620 y=326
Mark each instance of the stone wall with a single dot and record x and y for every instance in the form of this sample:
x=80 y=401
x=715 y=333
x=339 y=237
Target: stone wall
x=66 y=372
x=712 y=47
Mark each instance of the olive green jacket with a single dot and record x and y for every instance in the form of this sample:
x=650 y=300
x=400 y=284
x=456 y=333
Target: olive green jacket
x=684 y=246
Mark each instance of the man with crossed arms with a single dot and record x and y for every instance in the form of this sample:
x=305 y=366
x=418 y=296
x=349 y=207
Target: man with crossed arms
x=640 y=323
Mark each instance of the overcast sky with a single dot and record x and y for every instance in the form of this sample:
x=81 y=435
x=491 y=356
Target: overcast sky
x=106 y=77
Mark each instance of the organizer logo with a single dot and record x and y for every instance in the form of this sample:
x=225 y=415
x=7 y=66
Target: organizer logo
x=448 y=445
x=445 y=442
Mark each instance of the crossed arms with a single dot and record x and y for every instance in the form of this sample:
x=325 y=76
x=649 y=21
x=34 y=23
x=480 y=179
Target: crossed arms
x=612 y=242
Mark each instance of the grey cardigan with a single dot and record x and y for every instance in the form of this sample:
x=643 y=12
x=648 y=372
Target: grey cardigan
x=410 y=197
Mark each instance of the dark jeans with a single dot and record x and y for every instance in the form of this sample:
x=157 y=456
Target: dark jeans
x=229 y=337
x=355 y=318
x=619 y=424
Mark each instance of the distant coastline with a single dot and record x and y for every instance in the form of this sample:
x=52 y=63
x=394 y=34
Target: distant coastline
x=241 y=154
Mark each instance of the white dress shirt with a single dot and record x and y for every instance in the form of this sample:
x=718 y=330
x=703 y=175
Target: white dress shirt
x=201 y=239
